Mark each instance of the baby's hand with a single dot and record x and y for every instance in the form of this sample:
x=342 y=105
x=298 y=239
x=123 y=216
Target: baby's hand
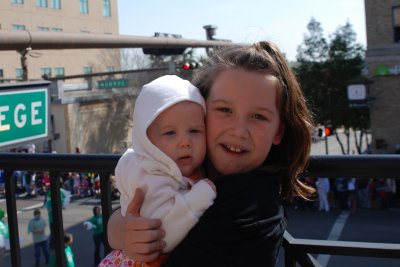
x=211 y=184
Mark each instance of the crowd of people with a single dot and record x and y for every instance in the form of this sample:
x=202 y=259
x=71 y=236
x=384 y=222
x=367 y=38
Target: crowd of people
x=351 y=194
x=80 y=184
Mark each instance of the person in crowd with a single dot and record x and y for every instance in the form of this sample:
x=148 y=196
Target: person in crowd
x=323 y=188
x=68 y=240
x=37 y=226
x=258 y=142
x=65 y=199
x=391 y=185
x=168 y=147
x=69 y=255
x=96 y=185
x=77 y=183
x=46 y=186
x=382 y=194
x=4 y=237
x=341 y=193
x=2 y=184
x=85 y=186
x=352 y=193
x=96 y=225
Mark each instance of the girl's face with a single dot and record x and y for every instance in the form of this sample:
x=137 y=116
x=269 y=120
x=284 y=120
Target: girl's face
x=242 y=120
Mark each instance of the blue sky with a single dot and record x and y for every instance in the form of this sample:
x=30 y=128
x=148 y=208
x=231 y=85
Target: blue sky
x=246 y=21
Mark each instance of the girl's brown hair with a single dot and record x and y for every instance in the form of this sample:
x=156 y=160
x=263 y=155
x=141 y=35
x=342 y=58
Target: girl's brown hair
x=290 y=157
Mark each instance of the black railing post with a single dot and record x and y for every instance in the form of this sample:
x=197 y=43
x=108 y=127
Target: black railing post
x=57 y=228
x=105 y=194
x=12 y=218
x=290 y=260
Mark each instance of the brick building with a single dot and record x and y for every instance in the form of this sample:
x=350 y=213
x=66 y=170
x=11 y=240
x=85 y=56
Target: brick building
x=78 y=16
x=80 y=118
x=383 y=59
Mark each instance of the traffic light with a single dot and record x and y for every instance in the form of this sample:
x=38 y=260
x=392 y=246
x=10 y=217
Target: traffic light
x=328 y=131
x=191 y=65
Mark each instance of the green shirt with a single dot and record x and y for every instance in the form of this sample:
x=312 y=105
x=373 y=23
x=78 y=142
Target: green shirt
x=3 y=234
x=97 y=222
x=4 y=230
x=48 y=204
x=69 y=257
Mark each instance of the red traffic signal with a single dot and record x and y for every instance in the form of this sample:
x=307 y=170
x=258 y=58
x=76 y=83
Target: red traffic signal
x=328 y=131
x=191 y=65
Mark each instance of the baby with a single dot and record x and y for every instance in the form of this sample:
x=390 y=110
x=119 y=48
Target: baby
x=169 y=145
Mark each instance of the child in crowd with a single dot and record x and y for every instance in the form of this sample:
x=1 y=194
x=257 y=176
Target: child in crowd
x=37 y=227
x=169 y=145
x=4 y=236
x=69 y=256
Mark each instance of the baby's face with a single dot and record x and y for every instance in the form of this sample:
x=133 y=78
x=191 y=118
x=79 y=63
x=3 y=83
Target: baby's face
x=180 y=133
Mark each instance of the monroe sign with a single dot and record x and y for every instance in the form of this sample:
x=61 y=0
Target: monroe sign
x=23 y=116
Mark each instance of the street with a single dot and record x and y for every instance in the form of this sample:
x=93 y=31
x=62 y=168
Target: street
x=319 y=148
x=79 y=210
x=365 y=225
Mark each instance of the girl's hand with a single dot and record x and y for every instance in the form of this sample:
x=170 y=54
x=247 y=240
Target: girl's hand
x=142 y=237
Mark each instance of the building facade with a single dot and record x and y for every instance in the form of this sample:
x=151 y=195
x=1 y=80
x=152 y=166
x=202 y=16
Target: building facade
x=68 y=16
x=92 y=119
x=383 y=59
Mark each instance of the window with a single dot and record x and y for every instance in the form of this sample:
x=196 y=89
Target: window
x=87 y=70
x=1 y=75
x=41 y=3
x=59 y=72
x=56 y=29
x=396 y=23
x=45 y=71
x=43 y=29
x=106 y=8
x=18 y=27
x=110 y=69
x=85 y=31
x=84 y=6
x=18 y=73
x=56 y=4
x=19 y=2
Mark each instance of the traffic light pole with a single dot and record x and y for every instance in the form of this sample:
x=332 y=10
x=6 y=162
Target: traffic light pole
x=326 y=145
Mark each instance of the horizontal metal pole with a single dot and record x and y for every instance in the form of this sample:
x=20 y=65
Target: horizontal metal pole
x=362 y=166
x=347 y=248
x=300 y=247
x=359 y=166
x=58 y=162
x=38 y=40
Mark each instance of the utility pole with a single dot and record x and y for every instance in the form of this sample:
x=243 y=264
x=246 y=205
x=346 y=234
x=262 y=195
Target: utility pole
x=326 y=145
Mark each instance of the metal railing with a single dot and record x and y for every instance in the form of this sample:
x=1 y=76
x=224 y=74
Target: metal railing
x=297 y=251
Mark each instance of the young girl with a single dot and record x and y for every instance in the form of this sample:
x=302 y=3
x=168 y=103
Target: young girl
x=258 y=141
x=168 y=148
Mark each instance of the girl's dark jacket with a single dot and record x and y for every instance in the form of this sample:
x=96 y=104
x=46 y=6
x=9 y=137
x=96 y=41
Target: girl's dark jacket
x=244 y=226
